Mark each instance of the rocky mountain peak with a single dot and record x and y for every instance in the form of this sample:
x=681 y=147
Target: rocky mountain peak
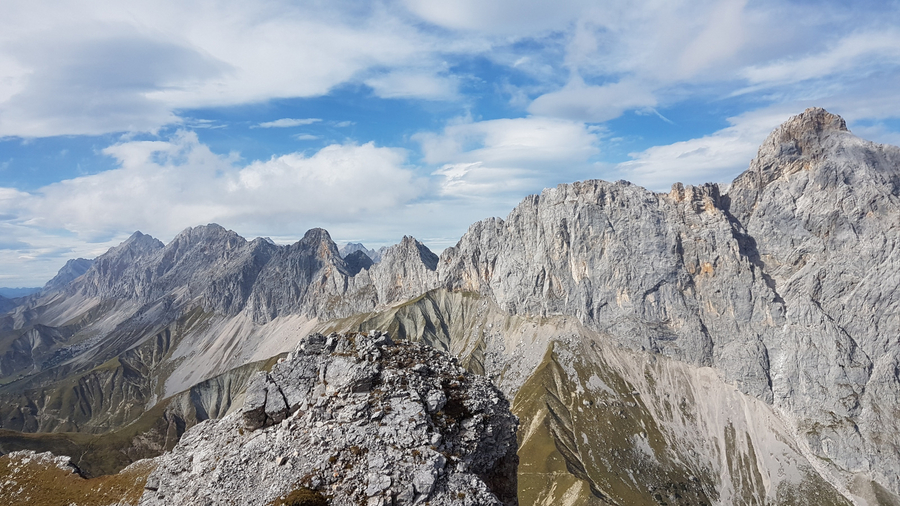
x=812 y=121
x=797 y=142
x=319 y=240
x=73 y=269
x=411 y=247
x=356 y=418
x=137 y=244
x=206 y=236
x=105 y=275
x=357 y=261
x=802 y=143
x=352 y=247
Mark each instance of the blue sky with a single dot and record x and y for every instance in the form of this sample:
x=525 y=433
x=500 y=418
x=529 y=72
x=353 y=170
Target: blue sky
x=381 y=119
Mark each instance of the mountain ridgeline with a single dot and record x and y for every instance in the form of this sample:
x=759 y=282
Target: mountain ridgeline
x=700 y=346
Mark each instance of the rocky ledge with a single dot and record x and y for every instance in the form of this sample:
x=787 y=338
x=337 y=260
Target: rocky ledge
x=348 y=420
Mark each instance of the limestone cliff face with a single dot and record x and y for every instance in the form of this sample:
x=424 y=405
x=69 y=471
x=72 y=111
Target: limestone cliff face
x=787 y=285
x=208 y=263
x=660 y=272
x=822 y=207
x=115 y=273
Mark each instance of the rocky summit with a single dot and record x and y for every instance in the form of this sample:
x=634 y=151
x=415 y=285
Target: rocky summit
x=354 y=419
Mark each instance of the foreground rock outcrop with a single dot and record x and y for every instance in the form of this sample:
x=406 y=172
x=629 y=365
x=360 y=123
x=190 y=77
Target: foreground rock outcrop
x=356 y=419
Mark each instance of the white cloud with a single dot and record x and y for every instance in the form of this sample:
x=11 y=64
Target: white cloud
x=417 y=84
x=162 y=187
x=664 y=42
x=579 y=102
x=503 y=17
x=721 y=37
x=110 y=66
x=288 y=122
x=718 y=157
x=856 y=53
x=508 y=156
x=126 y=66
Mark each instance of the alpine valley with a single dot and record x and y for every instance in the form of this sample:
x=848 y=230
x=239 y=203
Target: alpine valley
x=716 y=344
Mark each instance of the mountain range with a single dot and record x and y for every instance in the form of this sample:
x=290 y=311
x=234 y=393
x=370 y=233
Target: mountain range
x=716 y=344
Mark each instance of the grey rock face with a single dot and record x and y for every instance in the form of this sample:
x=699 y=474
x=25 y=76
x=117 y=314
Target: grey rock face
x=822 y=207
x=209 y=264
x=357 y=261
x=108 y=275
x=73 y=269
x=658 y=272
x=405 y=269
x=348 y=416
x=304 y=277
x=788 y=285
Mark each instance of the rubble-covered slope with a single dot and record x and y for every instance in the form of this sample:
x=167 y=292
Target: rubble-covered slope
x=357 y=419
x=602 y=424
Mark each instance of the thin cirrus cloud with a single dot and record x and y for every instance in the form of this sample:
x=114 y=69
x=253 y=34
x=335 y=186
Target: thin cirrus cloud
x=593 y=104
x=414 y=84
x=854 y=53
x=503 y=17
x=288 y=122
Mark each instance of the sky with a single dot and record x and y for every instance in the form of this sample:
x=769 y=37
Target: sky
x=379 y=119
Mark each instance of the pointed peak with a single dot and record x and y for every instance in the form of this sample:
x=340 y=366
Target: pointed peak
x=141 y=240
x=803 y=137
x=320 y=240
x=802 y=143
x=211 y=228
x=73 y=269
x=317 y=234
x=813 y=121
x=410 y=244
